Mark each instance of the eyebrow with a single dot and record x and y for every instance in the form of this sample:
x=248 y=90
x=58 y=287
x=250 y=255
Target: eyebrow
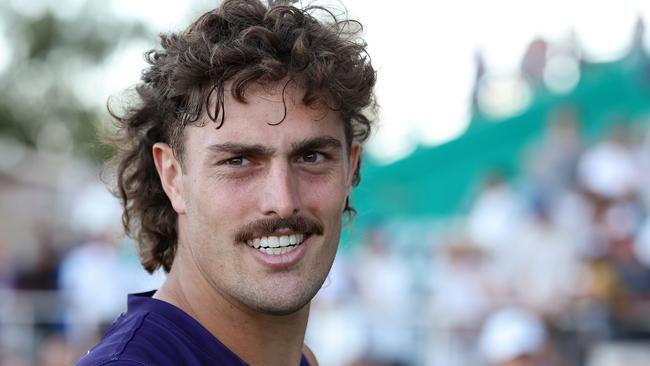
x=323 y=142
x=241 y=149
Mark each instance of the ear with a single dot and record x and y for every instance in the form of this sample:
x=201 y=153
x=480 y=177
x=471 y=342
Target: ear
x=355 y=155
x=170 y=173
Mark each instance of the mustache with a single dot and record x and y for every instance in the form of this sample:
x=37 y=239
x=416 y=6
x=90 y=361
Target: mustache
x=266 y=227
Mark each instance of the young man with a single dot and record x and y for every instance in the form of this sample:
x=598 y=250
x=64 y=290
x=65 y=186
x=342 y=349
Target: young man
x=234 y=168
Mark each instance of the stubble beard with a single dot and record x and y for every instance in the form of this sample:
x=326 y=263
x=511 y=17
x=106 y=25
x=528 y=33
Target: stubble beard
x=282 y=307
x=278 y=294
x=274 y=298
x=265 y=299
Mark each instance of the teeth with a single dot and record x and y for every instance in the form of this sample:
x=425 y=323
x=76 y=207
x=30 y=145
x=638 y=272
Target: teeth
x=276 y=245
x=284 y=241
x=264 y=241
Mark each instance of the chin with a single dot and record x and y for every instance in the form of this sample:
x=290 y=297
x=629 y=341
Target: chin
x=281 y=312
x=278 y=301
x=282 y=309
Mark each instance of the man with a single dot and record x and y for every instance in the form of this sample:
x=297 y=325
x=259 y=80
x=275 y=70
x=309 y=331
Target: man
x=234 y=168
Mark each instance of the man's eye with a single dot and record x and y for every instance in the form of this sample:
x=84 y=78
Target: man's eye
x=237 y=161
x=312 y=157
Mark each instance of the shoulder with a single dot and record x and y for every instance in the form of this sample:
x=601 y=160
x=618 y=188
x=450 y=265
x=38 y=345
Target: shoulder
x=122 y=362
x=158 y=338
x=135 y=339
x=120 y=337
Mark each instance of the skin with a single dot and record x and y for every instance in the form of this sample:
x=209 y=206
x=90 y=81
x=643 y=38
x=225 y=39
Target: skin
x=246 y=171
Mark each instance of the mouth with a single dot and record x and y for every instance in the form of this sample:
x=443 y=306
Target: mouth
x=277 y=244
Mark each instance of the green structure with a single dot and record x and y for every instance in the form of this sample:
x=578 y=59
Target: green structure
x=435 y=182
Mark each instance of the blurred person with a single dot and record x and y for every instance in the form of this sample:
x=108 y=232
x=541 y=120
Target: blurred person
x=493 y=225
x=515 y=336
x=336 y=332
x=91 y=296
x=637 y=58
x=543 y=245
x=638 y=38
x=618 y=353
x=642 y=153
x=235 y=168
x=480 y=70
x=462 y=285
x=55 y=351
x=552 y=163
x=609 y=176
x=462 y=295
x=495 y=211
x=384 y=287
x=533 y=64
x=546 y=275
x=609 y=170
x=642 y=243
x=10 y=358
x=600 y=291
x=96 y=274
x=37 y=282
x=7 y=270
x=43 y=273
x=630 y=312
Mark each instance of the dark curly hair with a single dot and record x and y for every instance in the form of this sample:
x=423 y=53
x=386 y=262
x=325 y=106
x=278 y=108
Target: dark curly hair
x=242 y=42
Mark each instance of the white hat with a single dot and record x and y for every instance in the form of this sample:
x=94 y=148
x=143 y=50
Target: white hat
x=511 y=332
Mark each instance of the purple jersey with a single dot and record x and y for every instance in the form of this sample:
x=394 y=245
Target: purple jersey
x=154 y=332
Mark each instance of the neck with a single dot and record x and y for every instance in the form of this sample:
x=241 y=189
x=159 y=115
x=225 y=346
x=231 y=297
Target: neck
x=257 y=338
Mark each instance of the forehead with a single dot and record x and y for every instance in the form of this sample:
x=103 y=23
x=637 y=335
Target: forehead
x=271 y=115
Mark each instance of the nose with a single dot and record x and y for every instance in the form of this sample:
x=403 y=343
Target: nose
x=280 y=194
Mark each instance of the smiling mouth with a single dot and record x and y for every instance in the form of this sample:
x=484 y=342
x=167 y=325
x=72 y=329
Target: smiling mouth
x=277 y=245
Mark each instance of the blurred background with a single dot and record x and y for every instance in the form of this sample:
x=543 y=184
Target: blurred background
x=503 y=210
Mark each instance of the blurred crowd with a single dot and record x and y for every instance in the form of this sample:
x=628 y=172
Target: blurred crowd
x=57 y=302
x=547 y=267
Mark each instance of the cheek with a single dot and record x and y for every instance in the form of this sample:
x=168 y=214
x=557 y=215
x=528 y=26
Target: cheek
x=324 y=199
x=218 y=205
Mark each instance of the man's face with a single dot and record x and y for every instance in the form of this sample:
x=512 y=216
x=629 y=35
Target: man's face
x=260 y=205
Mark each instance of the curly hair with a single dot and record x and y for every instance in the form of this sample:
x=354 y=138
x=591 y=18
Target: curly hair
x=242 y=42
